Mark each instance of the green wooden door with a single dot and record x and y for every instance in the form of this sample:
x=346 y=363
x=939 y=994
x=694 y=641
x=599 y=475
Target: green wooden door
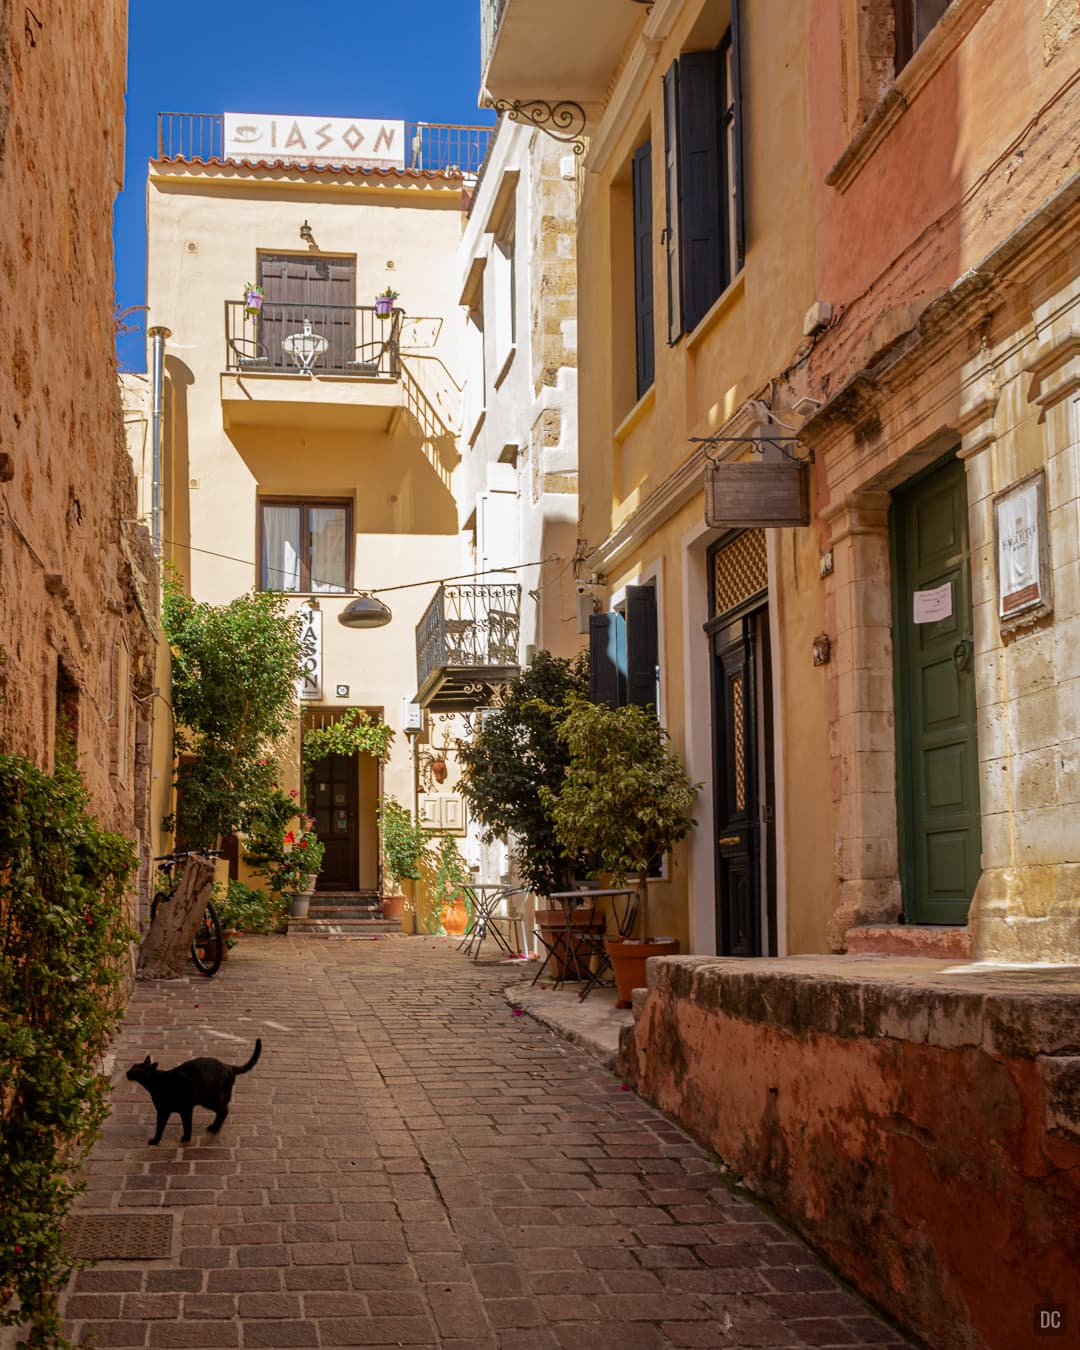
x=937 y=753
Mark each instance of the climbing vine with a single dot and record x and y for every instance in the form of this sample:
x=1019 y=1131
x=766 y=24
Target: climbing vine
x=63 y=950
x=356 y=732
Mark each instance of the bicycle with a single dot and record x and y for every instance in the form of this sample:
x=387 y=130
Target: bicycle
x=208 y=946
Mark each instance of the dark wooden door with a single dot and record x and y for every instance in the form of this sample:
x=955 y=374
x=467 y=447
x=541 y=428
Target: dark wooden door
x=742 y=772
x=937 y=751
x=321 y=291
x=333 y=803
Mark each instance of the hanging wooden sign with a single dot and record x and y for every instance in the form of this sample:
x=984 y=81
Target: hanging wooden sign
x=750 y=495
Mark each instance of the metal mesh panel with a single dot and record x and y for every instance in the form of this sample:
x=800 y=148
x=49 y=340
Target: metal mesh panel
x=740 y=570
x=118 y=1237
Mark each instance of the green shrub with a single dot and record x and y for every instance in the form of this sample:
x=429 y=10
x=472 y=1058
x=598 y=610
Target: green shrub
x=246 y=909
x=64 y=951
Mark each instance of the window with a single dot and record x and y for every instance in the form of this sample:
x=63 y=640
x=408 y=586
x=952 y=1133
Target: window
x=913 y=20
x=703 y=229
x=643 y=268
x=305 y=546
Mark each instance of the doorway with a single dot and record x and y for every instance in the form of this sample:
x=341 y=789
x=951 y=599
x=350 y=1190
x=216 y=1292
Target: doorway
x=940 y=836
x=319 y=290
x=341 y=793
x=743 y=773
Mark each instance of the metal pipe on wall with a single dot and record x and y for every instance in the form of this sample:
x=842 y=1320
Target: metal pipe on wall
x=157 y=403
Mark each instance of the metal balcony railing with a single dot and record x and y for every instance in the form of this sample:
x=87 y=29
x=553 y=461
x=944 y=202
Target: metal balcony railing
x=469 y=627
x=315 y=339
x=436 y=146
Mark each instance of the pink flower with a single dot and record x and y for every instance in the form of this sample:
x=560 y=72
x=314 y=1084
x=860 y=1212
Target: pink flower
x=292 y=792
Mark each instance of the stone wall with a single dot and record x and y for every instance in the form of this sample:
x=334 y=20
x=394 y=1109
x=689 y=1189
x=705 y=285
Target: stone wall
x=919 y=1126
x=77 y=599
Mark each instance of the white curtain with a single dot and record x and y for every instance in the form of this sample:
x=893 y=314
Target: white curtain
x=281 y=548
x=329 y=548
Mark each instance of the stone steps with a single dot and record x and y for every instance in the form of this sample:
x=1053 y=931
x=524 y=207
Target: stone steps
x=316 y=927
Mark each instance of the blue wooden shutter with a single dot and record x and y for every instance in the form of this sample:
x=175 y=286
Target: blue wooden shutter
x=607 y=659
x=642 y=654
x=643 y=267
x=700 y=219
x=736 y=167
x=671 y=201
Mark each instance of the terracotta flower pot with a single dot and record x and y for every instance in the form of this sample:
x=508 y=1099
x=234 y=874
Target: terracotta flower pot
x=455 y=917
x=393 y=907
x=628 y=962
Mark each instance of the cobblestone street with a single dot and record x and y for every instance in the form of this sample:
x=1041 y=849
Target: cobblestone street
x=414 y=1163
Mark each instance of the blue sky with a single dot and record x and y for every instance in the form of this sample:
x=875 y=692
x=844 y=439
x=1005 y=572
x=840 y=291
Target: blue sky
x=412 y=59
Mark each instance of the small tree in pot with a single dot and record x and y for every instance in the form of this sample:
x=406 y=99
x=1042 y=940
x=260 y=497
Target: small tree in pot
x=404 y=844
x=625 y=799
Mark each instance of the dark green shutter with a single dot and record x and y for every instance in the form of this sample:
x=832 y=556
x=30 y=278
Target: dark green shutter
x=642 y=657
x=736 y=168
x=671 y=201
x=643 y=267
x=607 y=659
x=700 y=220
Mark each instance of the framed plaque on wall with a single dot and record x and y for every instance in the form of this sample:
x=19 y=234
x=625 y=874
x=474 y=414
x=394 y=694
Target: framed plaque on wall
x=1022 y=551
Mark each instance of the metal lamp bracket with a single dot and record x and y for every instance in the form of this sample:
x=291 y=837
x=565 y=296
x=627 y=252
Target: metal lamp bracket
x=785 y=444
x=562 y=121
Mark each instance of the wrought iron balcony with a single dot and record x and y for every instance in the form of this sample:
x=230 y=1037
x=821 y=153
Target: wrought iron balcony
x=313 y=339
x=466 y=645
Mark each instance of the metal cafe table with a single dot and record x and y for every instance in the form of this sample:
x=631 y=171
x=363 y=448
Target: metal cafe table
x=624 y=910
x=486 y=897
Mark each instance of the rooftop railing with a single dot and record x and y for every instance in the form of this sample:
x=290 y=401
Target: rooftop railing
x=490 y=14
x=435 y=146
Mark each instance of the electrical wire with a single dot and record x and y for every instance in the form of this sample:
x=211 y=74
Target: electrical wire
x=377 y=590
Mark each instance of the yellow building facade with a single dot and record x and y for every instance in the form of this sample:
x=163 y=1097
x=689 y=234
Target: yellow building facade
x=695 y=271
x=309 y=441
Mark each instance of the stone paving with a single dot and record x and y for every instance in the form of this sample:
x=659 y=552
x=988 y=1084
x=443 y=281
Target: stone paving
x=414 y=1163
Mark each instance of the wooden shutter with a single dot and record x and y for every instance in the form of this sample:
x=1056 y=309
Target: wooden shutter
x=671 y=202
x=700 y=219
x=607 y=659
x=642 y=656
x=736 y=167
x=643 y=268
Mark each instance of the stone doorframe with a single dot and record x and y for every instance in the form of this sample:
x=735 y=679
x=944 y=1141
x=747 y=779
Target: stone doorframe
x=874 y=436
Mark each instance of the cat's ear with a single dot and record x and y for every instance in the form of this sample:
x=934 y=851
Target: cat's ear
x=155 y=1063
x=146 y=1063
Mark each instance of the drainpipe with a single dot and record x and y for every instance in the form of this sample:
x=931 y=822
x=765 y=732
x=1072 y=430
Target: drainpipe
x=157 y=402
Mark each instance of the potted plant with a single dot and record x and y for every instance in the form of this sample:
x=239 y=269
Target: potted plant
x=516 y=753
x=451 y=906
x=625 y=799
x=253 y=300
x=384 y=302
x=404 y=843
x=289 y=855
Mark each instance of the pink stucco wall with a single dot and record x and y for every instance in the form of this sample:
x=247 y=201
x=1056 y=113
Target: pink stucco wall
x=921 y=1131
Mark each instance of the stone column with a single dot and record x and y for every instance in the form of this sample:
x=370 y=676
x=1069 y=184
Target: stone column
x=858 y=611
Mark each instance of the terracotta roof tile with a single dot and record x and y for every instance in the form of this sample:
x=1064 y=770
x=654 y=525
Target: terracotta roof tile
x=215 y=163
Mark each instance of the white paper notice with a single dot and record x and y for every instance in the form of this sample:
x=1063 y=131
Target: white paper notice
x=930 y=606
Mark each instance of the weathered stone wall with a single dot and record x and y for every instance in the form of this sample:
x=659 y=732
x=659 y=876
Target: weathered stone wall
x=921 y=1129
x=76 y=578
x=554 y=269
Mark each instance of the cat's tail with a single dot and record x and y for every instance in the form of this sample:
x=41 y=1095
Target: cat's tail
x=243 y=1068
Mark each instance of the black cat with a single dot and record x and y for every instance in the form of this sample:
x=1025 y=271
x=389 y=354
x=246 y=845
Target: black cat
x=200 y=1082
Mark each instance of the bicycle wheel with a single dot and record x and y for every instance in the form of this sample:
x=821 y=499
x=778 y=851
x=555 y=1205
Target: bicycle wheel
x=160 y=898
x=207 y=948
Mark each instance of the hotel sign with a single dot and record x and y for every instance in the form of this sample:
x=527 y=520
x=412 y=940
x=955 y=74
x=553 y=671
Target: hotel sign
x=309 y=685
x=350 y=141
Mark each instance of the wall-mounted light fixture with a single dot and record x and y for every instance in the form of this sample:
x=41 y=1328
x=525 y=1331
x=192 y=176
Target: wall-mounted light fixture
x=306 y=233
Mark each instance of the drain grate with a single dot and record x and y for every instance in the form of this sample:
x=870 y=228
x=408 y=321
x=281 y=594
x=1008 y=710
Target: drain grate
x=119 y=1237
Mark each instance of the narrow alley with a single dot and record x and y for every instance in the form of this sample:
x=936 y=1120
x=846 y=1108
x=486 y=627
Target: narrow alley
x=414 y=1162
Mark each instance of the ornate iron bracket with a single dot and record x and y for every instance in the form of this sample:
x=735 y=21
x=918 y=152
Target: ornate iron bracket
x=757 y=445
x=562 y=121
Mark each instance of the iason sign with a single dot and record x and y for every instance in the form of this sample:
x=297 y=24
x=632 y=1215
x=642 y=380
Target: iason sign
x=356 y=142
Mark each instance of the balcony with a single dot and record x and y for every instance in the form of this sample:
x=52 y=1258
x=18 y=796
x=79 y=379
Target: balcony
x=467 y=645
x=433 y=147
x=317 y=365
x=554 y=49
